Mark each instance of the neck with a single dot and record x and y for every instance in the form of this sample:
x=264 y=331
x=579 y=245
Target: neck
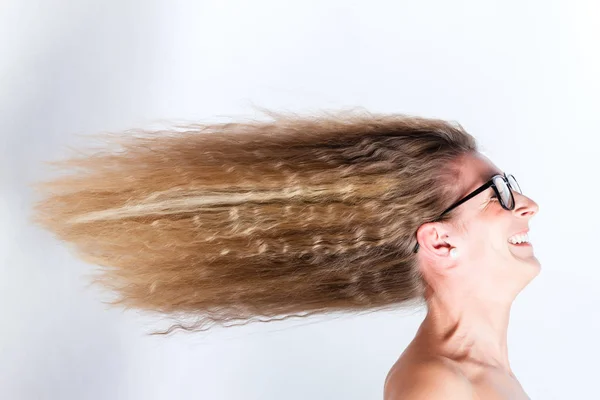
x=468 y=328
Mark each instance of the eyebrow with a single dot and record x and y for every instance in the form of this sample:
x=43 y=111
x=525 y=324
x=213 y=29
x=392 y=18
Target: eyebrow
x=490 y=176
x=489 y=179
x=481 y=183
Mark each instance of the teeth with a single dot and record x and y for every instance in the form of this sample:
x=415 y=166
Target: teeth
x=519 y=238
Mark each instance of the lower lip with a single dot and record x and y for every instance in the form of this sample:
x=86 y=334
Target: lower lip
x=521 y=244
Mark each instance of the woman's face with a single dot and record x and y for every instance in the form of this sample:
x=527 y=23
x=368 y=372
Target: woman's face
x=486 y=259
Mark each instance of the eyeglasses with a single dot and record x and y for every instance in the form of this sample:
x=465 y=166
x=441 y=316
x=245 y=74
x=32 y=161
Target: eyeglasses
x=503 y=185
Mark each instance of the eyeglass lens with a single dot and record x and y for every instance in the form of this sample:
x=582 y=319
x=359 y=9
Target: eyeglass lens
x=504 y=191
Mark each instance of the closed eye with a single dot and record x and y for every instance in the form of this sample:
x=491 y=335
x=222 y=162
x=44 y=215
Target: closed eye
x=491 y=199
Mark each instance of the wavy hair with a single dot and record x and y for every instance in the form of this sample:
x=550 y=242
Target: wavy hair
x=292 y=216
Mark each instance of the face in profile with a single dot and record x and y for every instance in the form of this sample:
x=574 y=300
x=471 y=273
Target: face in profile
x=494 y=256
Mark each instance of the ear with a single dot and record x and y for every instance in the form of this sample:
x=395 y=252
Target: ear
x=434 y=240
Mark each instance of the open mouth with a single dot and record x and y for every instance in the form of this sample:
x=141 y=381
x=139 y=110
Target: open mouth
x=520 y=240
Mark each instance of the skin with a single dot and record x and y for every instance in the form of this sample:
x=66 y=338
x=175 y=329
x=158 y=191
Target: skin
x=460 y=350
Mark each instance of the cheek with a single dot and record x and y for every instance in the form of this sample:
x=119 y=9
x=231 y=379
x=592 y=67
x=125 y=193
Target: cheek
x=487 y=236
x=479 y=243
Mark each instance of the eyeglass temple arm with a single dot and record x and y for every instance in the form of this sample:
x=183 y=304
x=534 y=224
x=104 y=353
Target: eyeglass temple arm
x=470 y=196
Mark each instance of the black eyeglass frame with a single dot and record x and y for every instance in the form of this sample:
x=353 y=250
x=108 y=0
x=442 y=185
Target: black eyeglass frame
x=505 y=177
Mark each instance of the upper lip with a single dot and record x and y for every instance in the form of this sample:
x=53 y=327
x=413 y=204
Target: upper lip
x=520 y=233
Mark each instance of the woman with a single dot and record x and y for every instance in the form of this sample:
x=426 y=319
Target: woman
x=474 y=265
x=298 y=216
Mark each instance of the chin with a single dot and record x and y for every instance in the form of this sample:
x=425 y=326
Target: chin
x=526 y=263
x=530 y=267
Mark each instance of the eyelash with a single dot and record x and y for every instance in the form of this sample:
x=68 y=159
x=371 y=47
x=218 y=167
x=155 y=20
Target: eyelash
x=493 y=198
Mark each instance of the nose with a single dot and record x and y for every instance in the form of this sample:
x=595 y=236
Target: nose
x=524 y=206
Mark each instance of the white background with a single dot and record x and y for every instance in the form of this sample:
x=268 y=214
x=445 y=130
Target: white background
x=522 y=76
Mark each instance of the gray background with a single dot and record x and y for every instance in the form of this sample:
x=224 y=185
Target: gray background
x=522 y=76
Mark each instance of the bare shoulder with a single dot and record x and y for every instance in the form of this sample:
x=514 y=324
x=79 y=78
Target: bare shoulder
x=431 y=379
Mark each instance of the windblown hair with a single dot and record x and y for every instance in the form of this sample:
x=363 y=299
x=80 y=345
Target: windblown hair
x=290 y=216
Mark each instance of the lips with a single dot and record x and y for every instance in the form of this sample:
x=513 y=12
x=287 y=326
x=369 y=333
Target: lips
x=519 y=239
x=519 y=233
x=524 y=244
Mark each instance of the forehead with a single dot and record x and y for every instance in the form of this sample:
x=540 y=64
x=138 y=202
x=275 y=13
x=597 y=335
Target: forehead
x=475 y=170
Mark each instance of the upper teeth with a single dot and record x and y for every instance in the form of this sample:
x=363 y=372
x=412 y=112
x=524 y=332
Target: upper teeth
x=519 y=238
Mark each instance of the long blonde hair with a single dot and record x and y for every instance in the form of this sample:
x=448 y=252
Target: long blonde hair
x=292 y=216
